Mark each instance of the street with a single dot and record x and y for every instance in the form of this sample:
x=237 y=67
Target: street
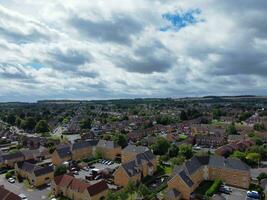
x=18 y=188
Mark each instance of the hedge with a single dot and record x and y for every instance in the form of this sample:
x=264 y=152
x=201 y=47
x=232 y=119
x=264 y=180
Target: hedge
x=9 y=174
x=213 y=188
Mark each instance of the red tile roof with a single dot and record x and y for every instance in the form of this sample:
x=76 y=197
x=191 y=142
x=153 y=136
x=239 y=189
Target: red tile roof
x=63 y=180
x=7 y=195
x=75 y=184
x=97 y=188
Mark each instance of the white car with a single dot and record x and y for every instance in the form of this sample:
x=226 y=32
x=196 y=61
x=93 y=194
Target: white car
x=23 y=197
x=11 y=180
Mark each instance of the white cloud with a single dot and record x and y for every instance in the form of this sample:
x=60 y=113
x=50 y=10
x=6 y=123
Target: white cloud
x=106 y=49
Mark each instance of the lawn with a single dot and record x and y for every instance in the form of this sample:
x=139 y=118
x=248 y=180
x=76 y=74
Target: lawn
x=203 y=187
x=182 y=137
x=168 y=170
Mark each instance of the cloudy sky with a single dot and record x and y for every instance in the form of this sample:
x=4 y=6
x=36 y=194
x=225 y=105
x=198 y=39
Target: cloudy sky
x=104 y=49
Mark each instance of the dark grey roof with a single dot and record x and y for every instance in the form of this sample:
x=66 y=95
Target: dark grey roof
x=11 y=156
x=81 y=145
x=192 y=165
x=234 y=163
x=39 y=171
x=145 y=157
x=186 y=178
x=107 y=144
x=32 y=168
x=63 y=151
x=26 y=166
x=135 y=149
x=204 y=160
x=230 y=163
x=131 y=168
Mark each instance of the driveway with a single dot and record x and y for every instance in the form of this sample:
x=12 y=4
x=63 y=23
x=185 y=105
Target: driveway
x=236 y=194
x=18 y=188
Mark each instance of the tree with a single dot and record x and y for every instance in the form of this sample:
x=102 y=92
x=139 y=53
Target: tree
x=86 y=123
x=173 y=151
x=183 y=115
x=161 y=146
x=60 y=170
x=98 y=154
x=216 y=113
x=11 y=119
x=186 y=150
x=28 y=124
x=143 y=190
x=231 y=130
x=253 y=158
x=259 y=127
x=121 y=140
x=261 y=176
x=18 y=122
x=240 y=155
x=130 y=188
x=42 y=127
x=177 y=160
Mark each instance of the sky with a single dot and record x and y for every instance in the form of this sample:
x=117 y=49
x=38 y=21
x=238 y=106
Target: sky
x=110 y=49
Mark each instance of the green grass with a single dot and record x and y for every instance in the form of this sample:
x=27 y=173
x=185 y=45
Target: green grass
x=183 y=137
x=203 y=187
x=168 y=170
x=132 y=196
x=26 y=184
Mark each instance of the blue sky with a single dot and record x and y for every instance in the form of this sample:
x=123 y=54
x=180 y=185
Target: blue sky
x=181 y=19
x=141 y=48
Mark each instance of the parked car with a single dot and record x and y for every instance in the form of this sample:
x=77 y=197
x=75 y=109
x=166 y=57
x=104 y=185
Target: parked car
x=253 y=194
x=2 y=171
x=23 y=197
x=75 y=172
x=11 y=180
x=224 y=190
x=86 y=169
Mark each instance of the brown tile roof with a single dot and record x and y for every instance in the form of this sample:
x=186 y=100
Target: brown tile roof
x=97 y=188
x=78 y=185
x=7 y=195
x=63 y=180
x=72 y=183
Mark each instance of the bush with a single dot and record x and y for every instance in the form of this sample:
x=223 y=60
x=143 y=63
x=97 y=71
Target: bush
x=214 y=188
x=9 y=174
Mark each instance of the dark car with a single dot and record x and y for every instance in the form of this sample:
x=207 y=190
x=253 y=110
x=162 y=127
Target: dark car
x=224 y=190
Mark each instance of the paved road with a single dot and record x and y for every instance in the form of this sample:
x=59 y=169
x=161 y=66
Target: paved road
x=257 y=171
x=236 y=194
x=18 y=188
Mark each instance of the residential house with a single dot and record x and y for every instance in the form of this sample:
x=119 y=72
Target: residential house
x=36 y=175
x=77 y=151
x=227 y=149
x=7 y=195
x=142 y=165
x=82 y=149
x=61 y=154
x=131 y=151
x=75 y=189
x=109 y=149
x=187 y=177
x=214 y=139
x=9 y=159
